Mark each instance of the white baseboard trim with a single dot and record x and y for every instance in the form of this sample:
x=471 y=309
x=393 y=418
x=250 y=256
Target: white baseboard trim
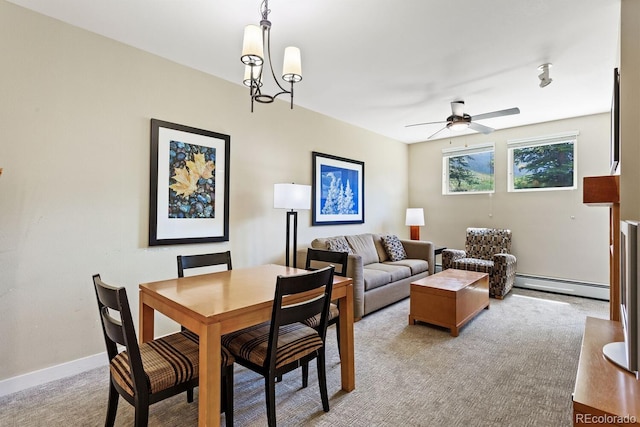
x=562 y=286
x=42 y=376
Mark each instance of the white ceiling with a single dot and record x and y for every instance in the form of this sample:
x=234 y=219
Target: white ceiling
x=381 y=64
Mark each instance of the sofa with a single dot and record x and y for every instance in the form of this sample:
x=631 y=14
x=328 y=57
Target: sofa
x=381 y=266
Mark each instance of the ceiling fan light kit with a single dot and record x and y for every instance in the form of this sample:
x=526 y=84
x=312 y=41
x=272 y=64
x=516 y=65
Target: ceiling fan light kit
x=257 y=40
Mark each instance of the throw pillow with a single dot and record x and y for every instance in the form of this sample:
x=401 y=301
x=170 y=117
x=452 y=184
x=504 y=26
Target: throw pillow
x=394 y=248
x=338 y=244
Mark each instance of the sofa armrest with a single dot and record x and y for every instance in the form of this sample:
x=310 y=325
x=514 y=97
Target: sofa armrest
x=355 y=270
x=450 y=255
x=421 y=249
x=301 y=261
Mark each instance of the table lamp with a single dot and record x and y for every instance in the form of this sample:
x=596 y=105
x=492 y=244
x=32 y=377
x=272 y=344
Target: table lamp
x=415 y=219
x=291 y=196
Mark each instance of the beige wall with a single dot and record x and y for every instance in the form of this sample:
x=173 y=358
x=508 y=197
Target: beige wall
x=630 y=110
x=74 y=118
x=554 y=234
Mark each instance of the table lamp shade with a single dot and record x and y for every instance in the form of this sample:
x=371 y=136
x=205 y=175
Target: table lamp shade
x=415 y=216
x=291 y=196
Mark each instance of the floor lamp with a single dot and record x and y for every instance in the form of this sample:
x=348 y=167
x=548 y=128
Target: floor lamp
x=415 y=219
x=292 y=196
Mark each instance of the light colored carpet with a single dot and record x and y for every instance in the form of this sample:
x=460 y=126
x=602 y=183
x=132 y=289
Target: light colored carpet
x=514 y=364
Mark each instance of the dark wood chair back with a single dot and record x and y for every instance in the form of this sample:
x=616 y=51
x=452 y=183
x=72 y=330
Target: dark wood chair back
x=204 y=260
x=305 y=304
x=120 y=329
x=338 y=259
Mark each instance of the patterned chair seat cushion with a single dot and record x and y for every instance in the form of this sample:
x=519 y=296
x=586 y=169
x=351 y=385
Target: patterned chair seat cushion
x=474 y=264
x=167 y=361
x=294 y=342
x=314 y=322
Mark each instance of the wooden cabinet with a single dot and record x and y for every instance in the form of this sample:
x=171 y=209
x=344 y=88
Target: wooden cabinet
x=605 y=191
x=604 y=393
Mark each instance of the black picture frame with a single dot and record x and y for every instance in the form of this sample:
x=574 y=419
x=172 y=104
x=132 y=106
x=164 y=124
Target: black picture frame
x=615 y=123
x=189 y=185
x=338 y=190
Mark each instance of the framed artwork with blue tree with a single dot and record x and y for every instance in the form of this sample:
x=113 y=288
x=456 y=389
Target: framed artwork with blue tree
x=189 y=191
x=338 y=190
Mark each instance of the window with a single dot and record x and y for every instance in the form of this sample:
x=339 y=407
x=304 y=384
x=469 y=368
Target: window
x=543 y=163
x=468 y=170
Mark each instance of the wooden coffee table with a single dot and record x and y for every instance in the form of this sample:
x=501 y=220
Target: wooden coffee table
x=450 y=298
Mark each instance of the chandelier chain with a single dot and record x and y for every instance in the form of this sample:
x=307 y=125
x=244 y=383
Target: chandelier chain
x=264 y=10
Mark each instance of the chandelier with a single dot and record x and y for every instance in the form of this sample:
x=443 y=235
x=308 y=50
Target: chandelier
x=257 y=40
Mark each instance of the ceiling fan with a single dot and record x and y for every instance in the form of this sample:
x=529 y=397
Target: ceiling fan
x=460 y=120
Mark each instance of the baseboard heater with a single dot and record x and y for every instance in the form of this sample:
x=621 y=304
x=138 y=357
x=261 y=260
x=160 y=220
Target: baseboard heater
x=560 y=286
x=563 y=286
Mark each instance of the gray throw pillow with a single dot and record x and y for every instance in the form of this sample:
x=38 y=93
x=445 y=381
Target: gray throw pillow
x=394 y=247
x=338 y=244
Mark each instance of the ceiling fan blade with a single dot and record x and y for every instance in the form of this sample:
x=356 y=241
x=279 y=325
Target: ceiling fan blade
x=457 y=108
x=480 y=128
x=507 y=112
x=432 y=135
x=426 y=123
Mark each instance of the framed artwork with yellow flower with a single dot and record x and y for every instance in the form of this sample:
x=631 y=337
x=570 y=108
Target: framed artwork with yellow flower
x=189 y=191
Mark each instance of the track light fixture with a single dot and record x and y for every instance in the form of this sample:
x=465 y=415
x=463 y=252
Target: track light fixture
x=257 y=40
x=545 y=80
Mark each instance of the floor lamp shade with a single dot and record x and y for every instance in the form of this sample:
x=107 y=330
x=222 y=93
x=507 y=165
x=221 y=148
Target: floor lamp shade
x=415 y=219
x=292 y=197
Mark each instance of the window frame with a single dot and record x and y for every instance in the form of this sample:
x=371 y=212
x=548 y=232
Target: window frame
x=448 y=153
x=556 y=139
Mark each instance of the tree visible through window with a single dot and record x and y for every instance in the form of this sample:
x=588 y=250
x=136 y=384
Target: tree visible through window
x=545 y=164
x=468 y=170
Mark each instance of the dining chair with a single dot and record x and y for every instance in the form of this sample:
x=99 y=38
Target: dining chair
x=285 y=343
x=144 y=374
x=320 y=258
x=186 y=262
x=203 y=260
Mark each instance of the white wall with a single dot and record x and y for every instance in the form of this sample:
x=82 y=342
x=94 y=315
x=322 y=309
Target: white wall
x=554 y=234
x=74 y=118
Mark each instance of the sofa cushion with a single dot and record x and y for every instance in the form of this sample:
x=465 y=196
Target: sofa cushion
x=382 y=252
x=397 y=272
x=338 y=244
x=417 y=266
x=394 y=247
x=362 y=244
x=375 y=278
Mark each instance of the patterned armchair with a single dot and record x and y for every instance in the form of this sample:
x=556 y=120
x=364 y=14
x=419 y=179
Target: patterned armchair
x=486 y=250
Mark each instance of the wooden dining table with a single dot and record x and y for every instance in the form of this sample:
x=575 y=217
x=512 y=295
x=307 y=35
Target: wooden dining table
x=218 y=303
